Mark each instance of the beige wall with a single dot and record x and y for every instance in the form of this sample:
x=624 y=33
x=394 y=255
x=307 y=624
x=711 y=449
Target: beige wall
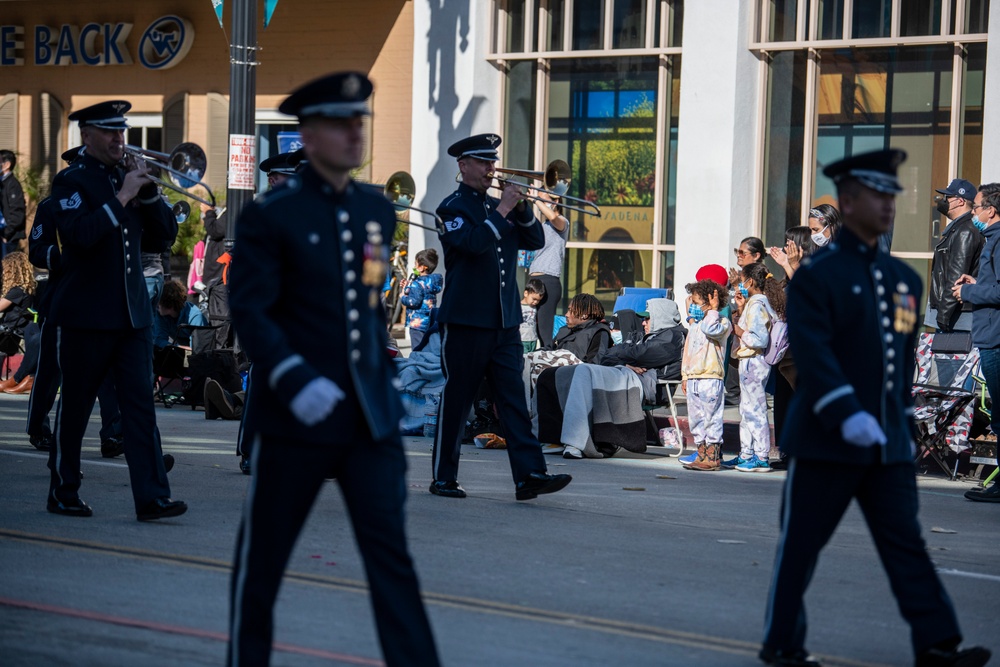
x=306 y=39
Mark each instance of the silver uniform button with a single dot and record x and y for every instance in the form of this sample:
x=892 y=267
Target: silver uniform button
x=501 y=260
x=128 y=270
x=346 y=236
x=348 y=255
x=890 y=353
x=352 y=295
x=126 y=232
x=396 y=383
x=352 y=315
x=503 y=284
x=128 y=256
x=350 y=276
x=126 y=244
x=502 y=272
x=343 y=217
x=498 y=248
x=880 y=290
x=878 y=275
x=886 y=322
x=888 y=385
x=355 y=355
x=890 y=368
x=355 y=335
x=888 y=338
x=883 y=306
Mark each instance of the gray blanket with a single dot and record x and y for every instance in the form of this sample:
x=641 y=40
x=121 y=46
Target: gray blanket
x=586 y=404
x=421 y=381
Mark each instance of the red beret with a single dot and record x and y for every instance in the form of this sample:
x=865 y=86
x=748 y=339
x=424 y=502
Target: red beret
x=713 y=272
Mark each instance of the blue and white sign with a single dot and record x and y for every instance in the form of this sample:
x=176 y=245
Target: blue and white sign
x=289 y=141
x=165 y=43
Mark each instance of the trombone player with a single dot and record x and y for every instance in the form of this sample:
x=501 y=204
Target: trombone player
x=481 y=316
x=106 y=213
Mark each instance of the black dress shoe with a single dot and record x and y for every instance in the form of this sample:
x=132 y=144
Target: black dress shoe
x=538 y=483
x=449 y=489
x=990 y=495
x=112 y=447
x=75 y=507
x=245 y=466
x=787 y=658
x=977 y=656
x=42 y=443
x=168 y=462
x=161 y=508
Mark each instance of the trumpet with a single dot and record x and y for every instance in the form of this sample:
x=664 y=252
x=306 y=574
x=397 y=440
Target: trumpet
x=401 y=190
x=557 y=177
x=186 y=165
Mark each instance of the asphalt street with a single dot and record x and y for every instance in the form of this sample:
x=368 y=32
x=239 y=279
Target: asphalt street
x=638 y=562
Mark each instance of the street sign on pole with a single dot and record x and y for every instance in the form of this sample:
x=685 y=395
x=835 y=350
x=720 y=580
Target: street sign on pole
x=242 y=161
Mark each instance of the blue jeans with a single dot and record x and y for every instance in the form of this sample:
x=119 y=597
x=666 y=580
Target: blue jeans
x=990 y=367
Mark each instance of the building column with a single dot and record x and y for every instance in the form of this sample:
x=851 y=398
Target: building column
x=717 y=161
x=456 y=94
x=991 y=102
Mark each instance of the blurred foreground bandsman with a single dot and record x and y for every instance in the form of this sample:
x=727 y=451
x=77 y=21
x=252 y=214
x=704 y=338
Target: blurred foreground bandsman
x=310 y=259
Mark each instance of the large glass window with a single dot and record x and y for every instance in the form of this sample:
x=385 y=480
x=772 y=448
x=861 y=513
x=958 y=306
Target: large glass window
x=783 y=145
x=971 y=141
x=515 y=26
x=588 y=25
x=870 y=99
x=831 y=19
x=603 y=272
x=872 y=18
x=630 y=24
x=519 y=121
x=557 y=14
x=977 y=14
x=782 y=23
x=920 y=17
x=602 y=120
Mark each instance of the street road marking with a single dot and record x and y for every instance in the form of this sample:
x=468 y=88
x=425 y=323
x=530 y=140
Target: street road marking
x=44 y=456
x=971 y=575
x=181 y=630
x=702 y=642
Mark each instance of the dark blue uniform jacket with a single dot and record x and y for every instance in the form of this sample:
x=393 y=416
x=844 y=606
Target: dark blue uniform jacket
x=852 y=328
x=480 y=258
x=101 y=284
x=308 y=267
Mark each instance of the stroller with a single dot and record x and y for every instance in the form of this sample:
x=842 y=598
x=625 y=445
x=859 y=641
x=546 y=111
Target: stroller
x=943 y=405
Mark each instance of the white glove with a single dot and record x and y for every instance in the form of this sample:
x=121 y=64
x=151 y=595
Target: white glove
x=863 y=430
x=316 y=401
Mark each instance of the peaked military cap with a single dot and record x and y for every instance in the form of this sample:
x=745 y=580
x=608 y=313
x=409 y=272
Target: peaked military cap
x=480 y=146
x=960 y=187
x=72 y=154
x=282 y=163
x=340 y=95
x=875 y=170
x=106 y=115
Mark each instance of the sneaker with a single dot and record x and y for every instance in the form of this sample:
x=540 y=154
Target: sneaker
x=550 y=448
x=735 y=461
x=754 y=464
x=690 y=458
x=572 y=453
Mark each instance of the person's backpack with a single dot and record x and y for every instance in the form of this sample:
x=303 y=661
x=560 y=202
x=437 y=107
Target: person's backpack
x=777 y=342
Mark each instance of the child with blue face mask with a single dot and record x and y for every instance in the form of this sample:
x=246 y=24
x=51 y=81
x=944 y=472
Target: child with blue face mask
x=703 y=369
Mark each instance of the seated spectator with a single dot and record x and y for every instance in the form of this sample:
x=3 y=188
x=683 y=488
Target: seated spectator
x=17 y=321
x=659 y=350
x=586 y=334
x=174 y=314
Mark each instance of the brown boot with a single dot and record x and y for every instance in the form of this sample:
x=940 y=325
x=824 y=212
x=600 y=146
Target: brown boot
x=708 y=462
x=23 y=387
x=699 y=458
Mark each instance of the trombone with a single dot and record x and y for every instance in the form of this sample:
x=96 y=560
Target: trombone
x=557 y=177
x=401 y=190
x=186 y=165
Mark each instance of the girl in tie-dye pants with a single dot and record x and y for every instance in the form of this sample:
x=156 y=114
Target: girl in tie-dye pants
x=759 y=300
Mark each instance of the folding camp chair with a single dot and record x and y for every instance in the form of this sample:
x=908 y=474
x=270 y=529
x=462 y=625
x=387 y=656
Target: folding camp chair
x=168 y=365
x=943 y=407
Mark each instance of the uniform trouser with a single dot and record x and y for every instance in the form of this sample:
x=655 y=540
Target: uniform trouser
x=287 y=477
x=816 y=495
x=242 y=446
x=467 y=355
x=46 y=385
x=706 y=399
x=755 y=431
x=86 y=357
x=546 y=315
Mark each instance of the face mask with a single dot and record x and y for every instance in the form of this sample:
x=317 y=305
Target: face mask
x=980 y=225
x=743 y=290
x=819 y=238
x=943 y=207
x=695 y=312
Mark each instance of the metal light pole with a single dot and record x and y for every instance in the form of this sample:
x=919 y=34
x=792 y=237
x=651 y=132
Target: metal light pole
x=242 y=107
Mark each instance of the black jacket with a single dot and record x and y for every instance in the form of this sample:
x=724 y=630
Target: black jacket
x=587 y=341
x=480 y=258
x=852 y=326
x=215 y=237
x=661 y=350
x=305 y=303
x=102 y=286
x=12 y=207
x=956 y=253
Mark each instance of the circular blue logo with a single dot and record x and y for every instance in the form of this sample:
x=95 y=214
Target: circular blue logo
x=165 y=42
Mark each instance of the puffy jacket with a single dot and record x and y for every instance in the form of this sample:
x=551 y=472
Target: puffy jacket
x=956 y=253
